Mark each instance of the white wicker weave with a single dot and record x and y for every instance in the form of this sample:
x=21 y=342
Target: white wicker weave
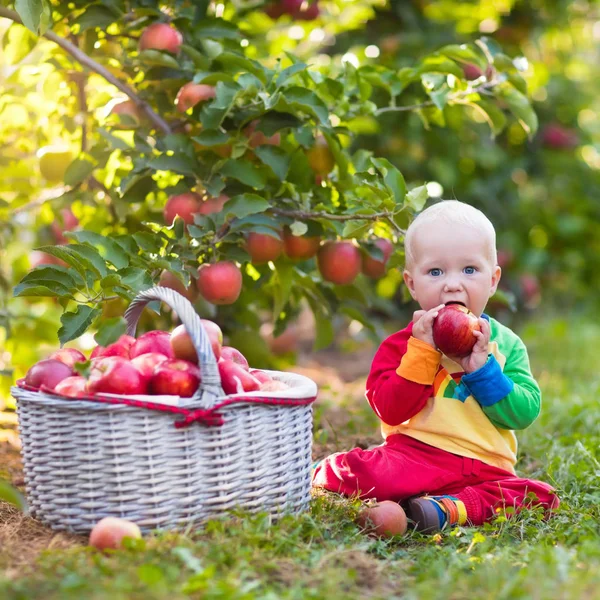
x=85 y=460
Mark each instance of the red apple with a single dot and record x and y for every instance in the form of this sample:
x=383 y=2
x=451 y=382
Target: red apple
x=472 y=71
x=320 y=158
x=153 y=341
x=261 y=375
x=235 y=379
x=182 y=345
x=193 y=93
x=48 y=372
x=263 y=247
x=40 y=259
x=119 y=348
x=339 y=262
x=384 y=519
x=168 y=280
x=213 y=205
x=310 y=13
x=73 y=387
x=559 y=137
x=258 y=138
x=373 y=267
x=175 y=377
x=110 y=532
x=185 y=205
x=161 y=36
x=146 y=363
x=116 y=375
x=220 y=283
x=69 y=356
x=453 y=330
x=234 y=355
x=69 y=222
x=291 y=7
x=300 y=247
x=130 y=110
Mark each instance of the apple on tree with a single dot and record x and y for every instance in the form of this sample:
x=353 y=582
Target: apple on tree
x=262 y=247
x=185 y=205
x=220 y=283
x=69 y=222
x=213 y=205
x=300 y=247
x=320 y=157
x=131 y=113
x=453 y=330
x=161 y=36
x=376 y=268
x=192 y=94
x=339 y=262
x=168 y=280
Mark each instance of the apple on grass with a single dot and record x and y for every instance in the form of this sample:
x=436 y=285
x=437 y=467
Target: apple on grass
x=183 y=347
x=116 y=375
x=146 y=363
x=384 y=519
x=110 y=532
x=175 y=377
x=234 y=355
x=48 y=373
x=152 y=341
x=73 y=387
x=235 y=379
x=453 y=330
x=69 y=356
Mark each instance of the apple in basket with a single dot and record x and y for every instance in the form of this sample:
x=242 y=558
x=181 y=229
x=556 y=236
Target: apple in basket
x=153 y=341
x=261 y=375
x=69 y=356
x=182 y=344
x=175 y=377
x=235 y=379
x=234 y=355
x=147 y=363
x=109 y=533
x=119 y=348
x=72 y=387
x=116 y=375
x=48 y=373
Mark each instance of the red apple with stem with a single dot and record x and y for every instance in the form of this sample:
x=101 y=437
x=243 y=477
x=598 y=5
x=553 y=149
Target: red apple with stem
x=300 y=247
x=116 y=375
x=220 y=283
x=48 y=372
x=453 y=330
x=161 y=36
x=339 y=262
x=263 y=247
x=153 y=341
x=234 y=355
x=175 y=377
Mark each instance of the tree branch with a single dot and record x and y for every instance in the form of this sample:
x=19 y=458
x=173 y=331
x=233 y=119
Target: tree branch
x=91 y=64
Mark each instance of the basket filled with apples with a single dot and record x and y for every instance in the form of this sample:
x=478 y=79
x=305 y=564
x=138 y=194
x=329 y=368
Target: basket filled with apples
x=167 y=430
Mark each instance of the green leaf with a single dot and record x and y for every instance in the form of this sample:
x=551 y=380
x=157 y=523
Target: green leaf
x=238 y=62
x=17 y=43
x=158 y=58
x=307 y=101
x=519 y=106
x=216 y=28
x=245 y=204
x=492 y=114
x=110 y=330
x=137 y=186
x=83 y=258
x=176 y=163
x=96 y=16
x=245 y=171
x=38 y=289
x=10 y=494
x=76 y=323
x=289 y=72
x=440 y=64
x=283 y=278
x=211 y=137
x=53 y=273
x=31 y=12
x=79 y=170
x=137 y=279
x=355 y=229
x=109 y=249
x=323 y=326
x=392 y=178
x=417 y=197
x=276 y=158
x=463 y=54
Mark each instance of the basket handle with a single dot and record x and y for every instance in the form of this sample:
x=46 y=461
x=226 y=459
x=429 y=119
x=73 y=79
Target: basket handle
x=209 y=390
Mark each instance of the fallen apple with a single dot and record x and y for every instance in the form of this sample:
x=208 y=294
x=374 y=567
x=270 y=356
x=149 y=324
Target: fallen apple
x=116 y=375
x=110 y=532
x=48 y=372
x=384 y=519
x=175 y=377
x=152 y=341
x=73 y=387
x=453 y=330
x=234 y=355
x=146 y=363
x=235 y=379
x=69 y=356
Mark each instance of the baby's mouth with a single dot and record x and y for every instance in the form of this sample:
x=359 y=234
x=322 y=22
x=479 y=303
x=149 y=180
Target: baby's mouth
x=456 y=302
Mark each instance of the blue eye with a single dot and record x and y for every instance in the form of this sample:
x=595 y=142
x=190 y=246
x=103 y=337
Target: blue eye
x=435 y=272
x=469 y=270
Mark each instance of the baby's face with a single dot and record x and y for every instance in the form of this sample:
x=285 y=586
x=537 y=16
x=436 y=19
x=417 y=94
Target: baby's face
x=451 y=264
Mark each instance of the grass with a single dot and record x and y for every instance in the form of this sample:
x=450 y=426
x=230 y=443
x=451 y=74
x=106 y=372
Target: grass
x=322 y=554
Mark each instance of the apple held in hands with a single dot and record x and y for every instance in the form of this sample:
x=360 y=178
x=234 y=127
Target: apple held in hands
x=453 y=330
x=116 y=375
x=175 y=377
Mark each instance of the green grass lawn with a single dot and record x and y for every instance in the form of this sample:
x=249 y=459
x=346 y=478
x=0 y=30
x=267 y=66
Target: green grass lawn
x=322 y=554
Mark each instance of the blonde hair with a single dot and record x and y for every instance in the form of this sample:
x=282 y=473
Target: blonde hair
x=451 y=212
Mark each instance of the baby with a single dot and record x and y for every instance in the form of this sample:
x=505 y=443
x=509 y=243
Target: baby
x=448 y=422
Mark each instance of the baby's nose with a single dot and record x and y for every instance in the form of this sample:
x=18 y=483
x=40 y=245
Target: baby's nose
x=452 y=284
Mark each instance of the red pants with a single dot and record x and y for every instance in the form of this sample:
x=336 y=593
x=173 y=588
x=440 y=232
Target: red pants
x=404 y=467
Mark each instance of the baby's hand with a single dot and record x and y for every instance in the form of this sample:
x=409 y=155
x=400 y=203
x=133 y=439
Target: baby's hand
x=479 y=354
x=423 y=324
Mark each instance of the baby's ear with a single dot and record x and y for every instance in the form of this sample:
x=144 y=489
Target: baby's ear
x=496 y=276
x=409 y=282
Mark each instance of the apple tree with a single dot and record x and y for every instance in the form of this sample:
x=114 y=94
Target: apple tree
x=214 y=148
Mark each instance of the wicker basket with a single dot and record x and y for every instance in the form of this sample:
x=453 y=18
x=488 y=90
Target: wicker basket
x=167 y=467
